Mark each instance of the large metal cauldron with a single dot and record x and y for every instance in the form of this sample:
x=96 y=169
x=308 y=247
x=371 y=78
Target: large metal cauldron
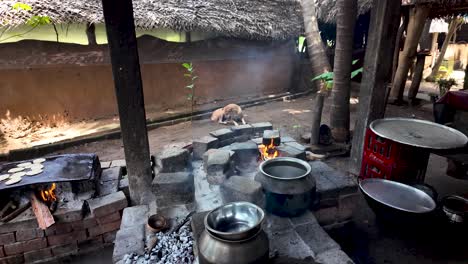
x=233 y=234
x=288 y=185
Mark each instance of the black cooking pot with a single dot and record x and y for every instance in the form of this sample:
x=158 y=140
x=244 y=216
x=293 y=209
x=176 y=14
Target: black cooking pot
x=397 y=202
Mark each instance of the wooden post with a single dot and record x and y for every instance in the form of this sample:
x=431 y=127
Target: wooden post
x=424 y=47
x=118 y=17
x=384 y=23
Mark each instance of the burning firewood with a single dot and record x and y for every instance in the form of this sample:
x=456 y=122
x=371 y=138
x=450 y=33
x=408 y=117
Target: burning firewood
x=42 y=212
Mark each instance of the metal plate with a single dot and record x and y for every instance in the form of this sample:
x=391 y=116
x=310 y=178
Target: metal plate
x=70 y=167
x=419 y=133
x=398 y=195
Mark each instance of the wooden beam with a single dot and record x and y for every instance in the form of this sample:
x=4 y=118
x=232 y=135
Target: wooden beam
x=41 y=211
x=119 y=22
x=385 y=18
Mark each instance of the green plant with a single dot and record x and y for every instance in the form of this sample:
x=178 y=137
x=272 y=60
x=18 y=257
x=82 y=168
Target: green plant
x=34 y=21
x=327 y=77
x=445 y=85
x=190 y=74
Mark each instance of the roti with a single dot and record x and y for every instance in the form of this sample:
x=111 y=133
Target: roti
x=24 y=165
x=4 y=177
x=34 y=172
x=13 y=180
x=39 y=161
x=37 y=167
x=18 y=174
x=15 y=170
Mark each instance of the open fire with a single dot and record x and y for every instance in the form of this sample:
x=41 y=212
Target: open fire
x=268 y=151
x=48 y=195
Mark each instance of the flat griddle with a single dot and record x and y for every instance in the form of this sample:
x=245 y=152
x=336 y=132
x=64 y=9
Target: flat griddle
x=60 y=168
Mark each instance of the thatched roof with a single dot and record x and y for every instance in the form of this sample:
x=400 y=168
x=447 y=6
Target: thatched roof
x=248 y=19
x=327 y=10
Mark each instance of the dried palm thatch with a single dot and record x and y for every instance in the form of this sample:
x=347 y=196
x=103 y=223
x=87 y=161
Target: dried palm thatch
x=327 y=10
x=441 y=8
x=259 y=19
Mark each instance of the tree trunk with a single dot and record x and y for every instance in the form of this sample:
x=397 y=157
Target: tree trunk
x=91 y=34
x=424 y=45
x=318 y=61
x=451 y=31
x=434 y=47
x=339 y=113
x=417 y=18
x=465 y=81
x=317 y=55
x=398 y=46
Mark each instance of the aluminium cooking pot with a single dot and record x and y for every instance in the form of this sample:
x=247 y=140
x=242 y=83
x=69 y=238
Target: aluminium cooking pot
x=288 y=185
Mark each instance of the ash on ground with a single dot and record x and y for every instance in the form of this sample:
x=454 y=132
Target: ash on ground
x=171 y=248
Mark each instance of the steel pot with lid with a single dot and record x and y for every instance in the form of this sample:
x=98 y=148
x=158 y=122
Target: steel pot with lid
x=288 y=185
x=233 y=234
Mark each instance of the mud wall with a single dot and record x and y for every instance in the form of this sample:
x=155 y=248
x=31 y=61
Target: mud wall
x=76 y=81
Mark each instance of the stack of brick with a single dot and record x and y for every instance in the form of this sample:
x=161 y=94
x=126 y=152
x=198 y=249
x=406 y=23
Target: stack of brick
x=22 y=241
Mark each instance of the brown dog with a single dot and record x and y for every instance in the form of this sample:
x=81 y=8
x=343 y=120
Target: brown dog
x=231 y=113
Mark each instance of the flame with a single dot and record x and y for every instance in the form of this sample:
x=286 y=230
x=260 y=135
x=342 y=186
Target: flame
x=49 y=194
x=268 y=152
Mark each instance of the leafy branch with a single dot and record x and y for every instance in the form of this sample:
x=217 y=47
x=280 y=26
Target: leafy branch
x=327 y=77
x=190 y=75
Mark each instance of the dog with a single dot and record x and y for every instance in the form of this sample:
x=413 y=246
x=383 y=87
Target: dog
x=231 y=113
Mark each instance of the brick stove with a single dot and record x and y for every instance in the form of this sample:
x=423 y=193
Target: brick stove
x=86 y=216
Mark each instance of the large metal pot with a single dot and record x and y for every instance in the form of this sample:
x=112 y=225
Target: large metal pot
x=233 y=234
x=397 y=202
x=288 y=185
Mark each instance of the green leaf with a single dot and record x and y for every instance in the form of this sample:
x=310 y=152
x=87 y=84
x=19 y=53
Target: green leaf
x=189 y=97
x=187 y=65
x=326 y=76
x=329 y=85
x=356 y=72
x=22 y=6
x=35 y=21
x=190 y=86
x=355 y=61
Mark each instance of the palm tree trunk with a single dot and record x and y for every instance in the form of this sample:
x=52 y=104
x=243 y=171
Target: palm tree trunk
x=434 y=47
x=451 y=31
x=418 y=16
x=339 y=113
x=424 y=45
x=317 y=55
x=318 y=61
x=396 y=52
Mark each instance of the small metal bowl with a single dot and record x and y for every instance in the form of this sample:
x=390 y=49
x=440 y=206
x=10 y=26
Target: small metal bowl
x=235 y=221
x=156 y=223
x=455 y=208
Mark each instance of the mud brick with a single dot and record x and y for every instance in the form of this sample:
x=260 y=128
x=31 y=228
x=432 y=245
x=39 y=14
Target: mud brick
x=123 y=186
x=287 y=139
x=109 y=237
x=135 y=215
x=260 y=127
x=173 y=183
x=87 y=222
x=296 y=145
x=25 y=220
x=118 y=163
x=111 y=174
x=108 y=218
x=222 y=134
x=64 y=239
x=66 y=249
x=288 y=151
x=17 y=259
x=58 y=229
x=108 y=187
x=70 y=211
x=129 y=240
x=2 y=253
x=7 y=238
x=327 y=216
x=28 y=234
x=238 y=188
x=242 y=130
x=36 y=255
x=201 y=145
x=101 y=229
x=107 y=204
x=173 y=160
x=24 y=246
x=91 y=244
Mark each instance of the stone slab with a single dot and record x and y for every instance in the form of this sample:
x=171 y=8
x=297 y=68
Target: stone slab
x=238 y=188
x=289 y=244
x=173 y=183
x=111 y=174
x=222 y=134
x=316 y=238
x=105 y=164
x=262 y=126
x=296 y=145
x=118 y=163
x=123 y=186
x=242 y=130
x=275 y=223
x=129 y=240
x=201 y=145
x=333 y=256
x=107 y=204
x=173 y=160
x=135 y=215
x=288 y=151
x=108 y=187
